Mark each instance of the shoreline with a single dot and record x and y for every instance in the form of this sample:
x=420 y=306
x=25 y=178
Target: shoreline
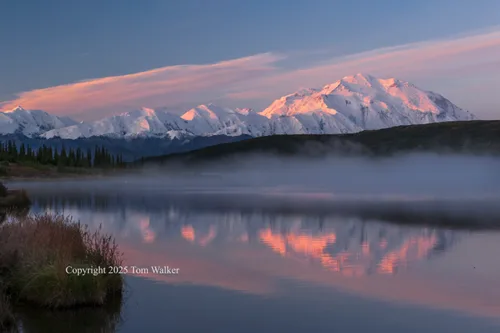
x=22 y=173
x=48 y=178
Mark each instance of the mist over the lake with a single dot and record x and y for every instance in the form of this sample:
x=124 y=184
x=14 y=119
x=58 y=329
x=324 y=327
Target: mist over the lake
x=427 y=187
x=438 y=176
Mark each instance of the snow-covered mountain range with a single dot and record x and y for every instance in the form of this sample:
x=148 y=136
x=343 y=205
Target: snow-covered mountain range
x=349 y=105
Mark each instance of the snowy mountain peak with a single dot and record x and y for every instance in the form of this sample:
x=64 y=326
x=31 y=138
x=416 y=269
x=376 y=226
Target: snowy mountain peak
x=351 y=104
x=17 y=108
x=148 y=111
x=30 y=122
x=363 y=101
x=302 y=92
x=356 y=82
x=211 y=119
x=203 y=111
x=245 y=111
x=141 y=112
x=360 y=82
x=359 y=78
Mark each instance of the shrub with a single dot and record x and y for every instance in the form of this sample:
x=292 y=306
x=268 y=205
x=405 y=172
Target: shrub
x=35 y=251
x=15 y=199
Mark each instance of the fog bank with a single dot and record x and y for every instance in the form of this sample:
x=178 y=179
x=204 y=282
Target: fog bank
x=424 y=184
x=413 y=176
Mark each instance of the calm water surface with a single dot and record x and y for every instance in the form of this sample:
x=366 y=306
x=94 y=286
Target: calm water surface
x=248 y=265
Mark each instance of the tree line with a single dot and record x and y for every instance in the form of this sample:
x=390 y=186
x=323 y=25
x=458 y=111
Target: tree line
x=99 y=157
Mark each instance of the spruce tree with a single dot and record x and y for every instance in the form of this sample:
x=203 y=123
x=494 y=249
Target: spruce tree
x=78 y=158
x=71 y=158
x=62 y=157
x=46 y=155
x=55 y=159
x=50 y=156
x=39 y=154
x=14 y=151
x=97 y=157
x=89 y=158
x=10 y=155
x=22 y=152
x=103 y=156
x=29 y=154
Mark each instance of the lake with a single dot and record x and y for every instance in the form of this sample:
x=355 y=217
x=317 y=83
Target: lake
x=284 y=260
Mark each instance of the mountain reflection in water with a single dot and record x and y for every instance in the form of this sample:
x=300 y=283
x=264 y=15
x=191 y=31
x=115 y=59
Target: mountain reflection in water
x=351 y=246
x=232 y=243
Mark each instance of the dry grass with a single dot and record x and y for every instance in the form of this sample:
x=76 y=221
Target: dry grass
x=35 y=251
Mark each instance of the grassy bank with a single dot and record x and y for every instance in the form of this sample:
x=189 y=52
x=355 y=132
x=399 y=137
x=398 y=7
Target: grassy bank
x=35 y=251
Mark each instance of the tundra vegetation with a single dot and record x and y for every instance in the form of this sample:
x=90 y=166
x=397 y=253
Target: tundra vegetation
x=35 y=251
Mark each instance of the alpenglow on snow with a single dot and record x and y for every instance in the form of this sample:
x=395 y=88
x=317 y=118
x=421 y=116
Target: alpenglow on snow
x=352 y=104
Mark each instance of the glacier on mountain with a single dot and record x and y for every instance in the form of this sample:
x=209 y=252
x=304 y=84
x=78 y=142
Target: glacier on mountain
x=352 y=104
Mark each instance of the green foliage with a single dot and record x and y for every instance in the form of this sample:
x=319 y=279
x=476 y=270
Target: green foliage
x=50 y=286
x=63 y=158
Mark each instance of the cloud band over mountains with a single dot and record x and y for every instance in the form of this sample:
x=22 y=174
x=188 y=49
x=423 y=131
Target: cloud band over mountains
x=451 y=66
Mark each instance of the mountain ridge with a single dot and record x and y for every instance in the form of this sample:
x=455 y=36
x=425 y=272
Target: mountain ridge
x=349 y=105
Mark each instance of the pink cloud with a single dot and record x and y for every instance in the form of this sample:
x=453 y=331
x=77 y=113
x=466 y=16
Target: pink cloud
x=257 y=80
x=411 y=60
x=167 y=85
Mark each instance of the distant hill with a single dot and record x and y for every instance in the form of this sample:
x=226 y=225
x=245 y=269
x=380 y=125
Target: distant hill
x=472 y=137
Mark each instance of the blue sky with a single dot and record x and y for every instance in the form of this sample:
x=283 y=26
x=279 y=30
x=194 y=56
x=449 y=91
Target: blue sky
x=50 y=43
